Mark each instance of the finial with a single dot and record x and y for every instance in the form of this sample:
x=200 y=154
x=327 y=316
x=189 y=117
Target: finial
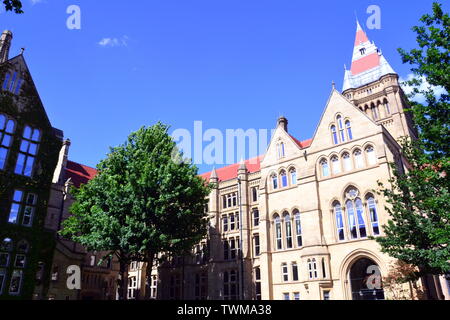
x=22 y=50
x=333 y=84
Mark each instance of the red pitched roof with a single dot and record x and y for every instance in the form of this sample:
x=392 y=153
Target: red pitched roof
x=302 y=144
x=361 y=36
x=365 y=63
x=79 y=173
x=253 y=165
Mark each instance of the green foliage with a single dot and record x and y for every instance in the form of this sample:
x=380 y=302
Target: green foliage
x=142 y=202
x=15 y=5
x=419 y=199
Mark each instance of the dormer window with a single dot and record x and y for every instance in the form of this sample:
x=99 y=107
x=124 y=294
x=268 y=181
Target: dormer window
x=363 y=51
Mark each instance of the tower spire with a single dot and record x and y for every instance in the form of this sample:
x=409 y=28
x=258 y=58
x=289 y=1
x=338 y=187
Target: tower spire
x=368 y=63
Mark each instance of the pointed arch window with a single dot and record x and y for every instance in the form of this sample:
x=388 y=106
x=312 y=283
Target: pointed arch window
x=335 y=165
x=351 y=219
x=386 y=107
x=334 y=134
x=274 y=178
x=373 y=215
x=339 y=221
x=278 y=238
x=341 y=128
x=293 y=174
x=355 y=215
x=347 y=161
x=348 y=127
x=281 y=150
x=374 y=112
x=360 y=217
x=288 y=230
x=298 y=228
x=284 y=179
x=325 y=168
x=359 y=161
x=7 y=128
x=371 y=157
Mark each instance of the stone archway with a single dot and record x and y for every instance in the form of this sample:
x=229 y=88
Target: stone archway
x=364 y=277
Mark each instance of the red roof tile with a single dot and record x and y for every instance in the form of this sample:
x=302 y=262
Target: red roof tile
x=253 y=165
x=365 y=63
x=79 y=173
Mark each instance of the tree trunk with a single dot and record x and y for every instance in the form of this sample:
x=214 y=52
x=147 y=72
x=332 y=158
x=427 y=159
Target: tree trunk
x=123 y=284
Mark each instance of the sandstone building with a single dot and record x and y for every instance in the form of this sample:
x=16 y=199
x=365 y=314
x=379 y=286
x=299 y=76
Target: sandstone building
x=302 y=212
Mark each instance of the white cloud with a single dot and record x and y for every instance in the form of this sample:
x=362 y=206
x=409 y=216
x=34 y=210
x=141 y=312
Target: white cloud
x=114 y=42
x=33 y=2
x=438 y=90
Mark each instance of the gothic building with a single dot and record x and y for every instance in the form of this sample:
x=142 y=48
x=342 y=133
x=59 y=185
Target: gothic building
x=35 y=175
x=29 y=148
x=303 y=212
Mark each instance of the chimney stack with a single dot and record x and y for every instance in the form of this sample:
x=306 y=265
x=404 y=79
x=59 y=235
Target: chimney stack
x=5 y=45
x=283 y=122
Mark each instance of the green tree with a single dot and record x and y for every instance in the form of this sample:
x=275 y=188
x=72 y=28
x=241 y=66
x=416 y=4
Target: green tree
x=143 y=201
x=419 y=201
x=15 y=5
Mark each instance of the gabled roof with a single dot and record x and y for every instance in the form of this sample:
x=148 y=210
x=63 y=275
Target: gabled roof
x=79 y=173
x=253 y=164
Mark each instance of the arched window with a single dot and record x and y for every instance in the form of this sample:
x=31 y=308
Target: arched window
x=325 y=168
x=347 y=161
x=374 y=111
x=293 y=174
x=339 y=221
x=373 y=214
x=386 y=107
x=278 y=239
x=335 y=165
x=7 y=128
x=280 y=150
x=312 y=268
x=360 y=216
x=351 y=219
x=355 y=214
x=348 y=127
x=334 y=134
x=298 y=228
x=371 y=157
x=274 y=178
x=359 y=161
x=288 y=230
x=341 y=128
x=284 y=182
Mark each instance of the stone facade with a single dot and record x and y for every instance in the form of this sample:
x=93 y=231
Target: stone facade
x=304 y=211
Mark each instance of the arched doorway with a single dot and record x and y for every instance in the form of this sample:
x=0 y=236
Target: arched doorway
x=365 y=280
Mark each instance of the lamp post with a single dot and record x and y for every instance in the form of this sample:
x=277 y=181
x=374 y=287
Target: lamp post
x=241 y=256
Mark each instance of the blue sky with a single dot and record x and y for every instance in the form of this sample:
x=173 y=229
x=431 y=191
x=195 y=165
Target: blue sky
x=231 y=64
